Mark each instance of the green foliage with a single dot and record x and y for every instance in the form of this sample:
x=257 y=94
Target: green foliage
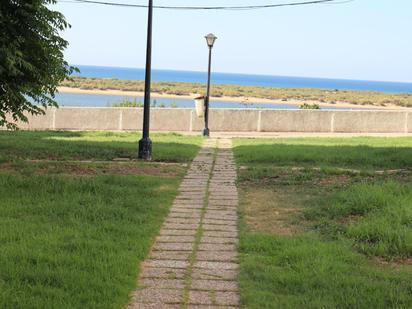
x=309 y=106
x=31 y=58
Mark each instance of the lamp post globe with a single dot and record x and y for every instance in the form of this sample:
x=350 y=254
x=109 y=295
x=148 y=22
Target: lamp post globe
x=210 y=40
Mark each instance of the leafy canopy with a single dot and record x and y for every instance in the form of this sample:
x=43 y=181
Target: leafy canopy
x=31 y=58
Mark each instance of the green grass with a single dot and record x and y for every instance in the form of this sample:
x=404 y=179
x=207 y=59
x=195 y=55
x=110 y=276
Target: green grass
x=74 y=232
x=381 y=215
x=76 y=242
x=357 y=153
x=340 y=239
x=307 y=272
x=64 y=145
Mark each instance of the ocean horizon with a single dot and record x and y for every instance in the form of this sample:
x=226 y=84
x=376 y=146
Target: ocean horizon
x=243 y=79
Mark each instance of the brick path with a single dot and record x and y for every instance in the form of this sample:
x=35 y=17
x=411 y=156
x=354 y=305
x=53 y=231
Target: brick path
x=193 y=263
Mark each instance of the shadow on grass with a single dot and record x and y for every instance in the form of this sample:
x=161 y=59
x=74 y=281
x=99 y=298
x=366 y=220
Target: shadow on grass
x=339 y=156
x=64 y=145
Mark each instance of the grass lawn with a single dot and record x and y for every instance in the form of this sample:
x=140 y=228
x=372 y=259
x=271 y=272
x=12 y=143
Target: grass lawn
x=322 y=226
x=356 y=153
x=72 y=234
x=66 y=145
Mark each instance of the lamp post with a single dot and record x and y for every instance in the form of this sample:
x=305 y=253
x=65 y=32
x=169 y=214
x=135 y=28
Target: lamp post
x=210 y=39
x=145 y=144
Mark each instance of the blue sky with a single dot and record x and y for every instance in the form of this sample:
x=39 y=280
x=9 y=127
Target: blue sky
x=364 y=39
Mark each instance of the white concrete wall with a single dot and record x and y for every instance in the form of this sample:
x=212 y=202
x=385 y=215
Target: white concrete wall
x=226 y=120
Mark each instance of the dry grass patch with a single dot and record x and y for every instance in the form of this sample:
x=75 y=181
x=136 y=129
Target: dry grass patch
x=272 y=211
x=93 y=169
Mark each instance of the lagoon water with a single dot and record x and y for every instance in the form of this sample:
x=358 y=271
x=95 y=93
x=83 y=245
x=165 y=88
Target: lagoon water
x=102 y=100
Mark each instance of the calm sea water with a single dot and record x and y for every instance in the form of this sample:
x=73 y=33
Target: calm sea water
x=245 y=79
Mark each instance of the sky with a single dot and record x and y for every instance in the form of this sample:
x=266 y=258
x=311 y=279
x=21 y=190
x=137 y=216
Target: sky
x=362 y=39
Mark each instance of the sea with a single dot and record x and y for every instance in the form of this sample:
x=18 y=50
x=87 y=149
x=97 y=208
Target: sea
x=94 y=100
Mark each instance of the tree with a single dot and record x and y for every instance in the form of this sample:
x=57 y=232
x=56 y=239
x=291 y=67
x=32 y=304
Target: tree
x=32 y=64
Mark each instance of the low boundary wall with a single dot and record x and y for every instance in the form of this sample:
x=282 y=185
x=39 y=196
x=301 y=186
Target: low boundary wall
x=223 y=120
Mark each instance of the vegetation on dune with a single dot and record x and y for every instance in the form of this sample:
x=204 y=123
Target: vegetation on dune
x=282 y=94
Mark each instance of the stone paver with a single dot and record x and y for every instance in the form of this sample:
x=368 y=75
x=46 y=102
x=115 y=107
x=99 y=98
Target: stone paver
x=216 y=265
x=176 y=239
x=162 y=273
x=187 y=221
x=158 y=306
x=214 y=298
x=157 y=295
x=220 y=234
x=177 y=232
x=171 y=255
x=164 y=246
x=219 y=240
x=163 y=283
x=183 y=270
x=219 y=227
x=220 y=215
x=219 y=221
x=217 y=256
x=166 y=264
x=213 y=274
x=209 y=307
x=215 y=285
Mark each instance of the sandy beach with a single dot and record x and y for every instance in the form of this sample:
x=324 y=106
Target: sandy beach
x=246 y=100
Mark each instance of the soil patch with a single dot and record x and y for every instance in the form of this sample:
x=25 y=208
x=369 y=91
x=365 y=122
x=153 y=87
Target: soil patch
x=272 y=211
x=92 y=169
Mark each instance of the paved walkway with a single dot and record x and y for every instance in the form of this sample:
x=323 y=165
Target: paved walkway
x=193 y=263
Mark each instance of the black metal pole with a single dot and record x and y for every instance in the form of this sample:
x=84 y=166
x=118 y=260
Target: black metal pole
x=145 y=144
x=206 y=131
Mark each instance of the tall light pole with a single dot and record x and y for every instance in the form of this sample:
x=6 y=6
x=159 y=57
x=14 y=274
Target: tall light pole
x=210 y=39
x=145 y=144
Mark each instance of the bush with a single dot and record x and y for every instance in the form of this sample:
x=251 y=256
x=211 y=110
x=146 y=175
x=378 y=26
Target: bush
x=309 y=106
